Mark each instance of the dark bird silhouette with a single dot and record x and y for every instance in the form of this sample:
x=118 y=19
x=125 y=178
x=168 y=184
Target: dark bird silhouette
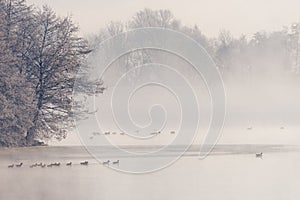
x=106 y=162
x=116 y=162
x=259 y=155
x=11 y=166
x=19 y=165
x=84 y=163
x=69 y=164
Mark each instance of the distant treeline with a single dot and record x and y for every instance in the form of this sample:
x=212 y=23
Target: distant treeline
x=262 y=53
x=41 y=54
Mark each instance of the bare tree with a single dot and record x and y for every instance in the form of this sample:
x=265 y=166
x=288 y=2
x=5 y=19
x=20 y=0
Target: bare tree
x=52 y=64
x=40 y=58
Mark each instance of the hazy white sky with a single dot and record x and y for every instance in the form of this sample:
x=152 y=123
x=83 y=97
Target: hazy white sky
x=238 y=16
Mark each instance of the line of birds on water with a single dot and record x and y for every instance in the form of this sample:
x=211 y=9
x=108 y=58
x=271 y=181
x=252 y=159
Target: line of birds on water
x=58 y=164
x=154 y=132
x=122 y=133
x=250 y=128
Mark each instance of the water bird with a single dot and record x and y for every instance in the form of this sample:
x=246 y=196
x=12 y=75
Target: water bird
x=259 y=155
x=39 y=165
x=19 y=165
x=116 y=162
x=282 y=128
x=69 y=164
x=106 y=133
x=56 y=164
x=172 y=132
x=249 y=128
x=11 y=166
x=43 y=166
x=106 y=162
x=122 y=133
x=114 y=133
x=33 y=165
x=84 y=163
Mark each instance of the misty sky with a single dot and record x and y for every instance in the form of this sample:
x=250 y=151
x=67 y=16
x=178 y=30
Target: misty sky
x=238 y=16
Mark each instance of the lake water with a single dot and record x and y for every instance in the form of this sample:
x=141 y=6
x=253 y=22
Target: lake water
x=230 y=172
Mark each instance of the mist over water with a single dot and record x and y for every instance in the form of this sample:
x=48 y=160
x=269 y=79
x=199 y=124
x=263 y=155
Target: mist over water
x=148 y=135
x=265 y=100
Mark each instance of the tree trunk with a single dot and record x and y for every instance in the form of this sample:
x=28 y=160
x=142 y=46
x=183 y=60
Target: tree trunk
x=30 y=137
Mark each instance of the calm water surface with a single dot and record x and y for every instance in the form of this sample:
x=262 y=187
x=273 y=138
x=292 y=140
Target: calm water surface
x=231 y=172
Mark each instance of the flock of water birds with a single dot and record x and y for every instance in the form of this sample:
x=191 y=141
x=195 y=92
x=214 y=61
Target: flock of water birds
x=108 y=162
x=153 y=133
x=250 y=128
x=58 y=164
x=122 y=133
